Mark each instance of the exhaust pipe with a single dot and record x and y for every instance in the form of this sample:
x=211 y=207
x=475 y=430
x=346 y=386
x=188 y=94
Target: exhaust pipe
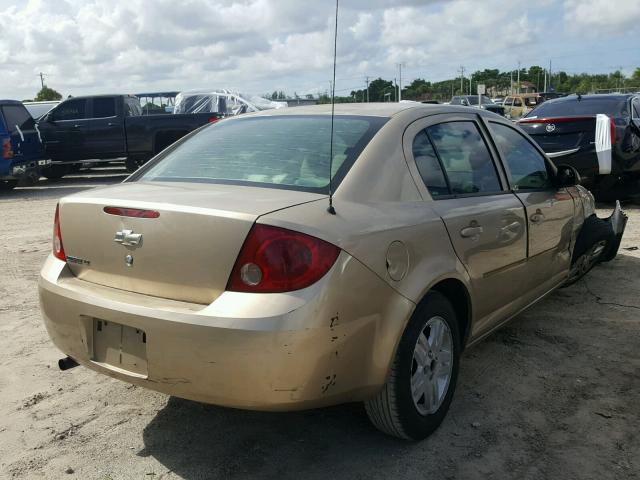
x=67 y=363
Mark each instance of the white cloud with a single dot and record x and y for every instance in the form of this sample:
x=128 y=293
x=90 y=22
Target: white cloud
x=91 y=46
x=603 y=16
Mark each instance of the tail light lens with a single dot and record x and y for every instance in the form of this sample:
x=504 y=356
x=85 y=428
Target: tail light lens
x=7 y=151
x=58 y=249
x=275 y=259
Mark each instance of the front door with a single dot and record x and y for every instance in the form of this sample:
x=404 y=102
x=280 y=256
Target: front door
x=550 y=210
x=64 y=129
x=486 y=222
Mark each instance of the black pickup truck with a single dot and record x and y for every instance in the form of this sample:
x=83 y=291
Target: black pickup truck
x=102 y=128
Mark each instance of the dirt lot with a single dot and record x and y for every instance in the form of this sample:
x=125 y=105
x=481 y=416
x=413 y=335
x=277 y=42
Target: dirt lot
x=555 y=394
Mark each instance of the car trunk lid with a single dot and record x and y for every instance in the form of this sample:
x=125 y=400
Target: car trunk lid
x=183 y=250
x=561 y=134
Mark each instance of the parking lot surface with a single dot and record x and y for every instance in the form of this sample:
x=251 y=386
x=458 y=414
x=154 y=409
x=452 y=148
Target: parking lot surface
x=554 y=394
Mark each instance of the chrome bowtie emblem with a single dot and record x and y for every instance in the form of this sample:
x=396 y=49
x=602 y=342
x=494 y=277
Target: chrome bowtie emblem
x=550 y=127
x=128 y=238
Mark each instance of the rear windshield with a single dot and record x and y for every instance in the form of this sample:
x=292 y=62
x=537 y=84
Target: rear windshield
x=290 y=152
x=614 y=107
x=473 y=100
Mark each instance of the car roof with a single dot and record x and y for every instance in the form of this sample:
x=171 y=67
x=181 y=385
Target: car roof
x=387 y=109
x=10 y=102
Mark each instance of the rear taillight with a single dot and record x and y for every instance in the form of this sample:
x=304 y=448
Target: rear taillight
x=7 y=151
x=275 y=259
x=58 y=249
x=612 y=126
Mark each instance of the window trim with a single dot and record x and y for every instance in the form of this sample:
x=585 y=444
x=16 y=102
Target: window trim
x=551 y=168
x=444 y=170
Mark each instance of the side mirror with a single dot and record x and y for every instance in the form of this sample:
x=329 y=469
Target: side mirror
x=567 y=176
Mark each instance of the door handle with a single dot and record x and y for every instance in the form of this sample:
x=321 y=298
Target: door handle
x=537 y=217
x=472 y=231
x=111 y=124
x=77 y=125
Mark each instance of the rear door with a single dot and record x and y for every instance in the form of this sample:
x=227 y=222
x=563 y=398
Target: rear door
x=24 y=137
x=550 y=210
x=486 y=223
x=105 y=138
x=64 y=129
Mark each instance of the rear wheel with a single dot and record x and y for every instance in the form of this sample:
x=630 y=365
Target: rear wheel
x=133 y=163
x=420 y=387
x=54 y=172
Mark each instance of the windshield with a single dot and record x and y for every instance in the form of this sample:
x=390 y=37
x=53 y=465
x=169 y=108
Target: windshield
x=473 y=99
x=36 y=110
x=614 y=107
x=288 y=151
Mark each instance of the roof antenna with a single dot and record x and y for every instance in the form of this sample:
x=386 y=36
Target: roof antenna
x=332 y=210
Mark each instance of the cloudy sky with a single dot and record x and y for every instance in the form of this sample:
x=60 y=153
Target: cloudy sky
x=92 y=46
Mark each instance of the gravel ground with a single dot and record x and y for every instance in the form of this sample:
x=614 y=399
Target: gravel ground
x=552 y=395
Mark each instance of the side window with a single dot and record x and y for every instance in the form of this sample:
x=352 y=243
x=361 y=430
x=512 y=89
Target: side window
x=455 y=101
x=132 y=108
x=527 y=168
x=104 y=107
x=465 y=158
x=71 y=110
x=16 y=115
x=636 y=109
x=517 y=102
x=429 y=166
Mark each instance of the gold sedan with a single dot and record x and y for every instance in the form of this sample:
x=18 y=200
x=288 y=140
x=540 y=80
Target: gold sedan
x=218 y=273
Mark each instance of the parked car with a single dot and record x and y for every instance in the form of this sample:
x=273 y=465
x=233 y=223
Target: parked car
x=485 y=103
x=599 y=135
x=498 y=100
x=38 y=109
x=224 y=101
x=517 y=106
x=22 y=153
x=220 y=272
x=107 y=127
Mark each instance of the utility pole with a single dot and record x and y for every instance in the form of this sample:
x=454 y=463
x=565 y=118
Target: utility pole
x=511 y=82
x=42 y=75
x=367 y=80
x=400 y=82
x=518 y=87
x=461 y=79
x=550 y=83
x=545 y=80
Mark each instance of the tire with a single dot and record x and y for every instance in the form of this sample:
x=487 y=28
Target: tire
x=393 y=410
x=55 y=172
x=134 y=163
x=594 y=240
x=6 y=185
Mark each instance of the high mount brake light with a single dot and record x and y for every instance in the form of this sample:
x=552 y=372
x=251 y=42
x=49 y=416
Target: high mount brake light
x=274 y=260
x=58 y=248
x=131 y=212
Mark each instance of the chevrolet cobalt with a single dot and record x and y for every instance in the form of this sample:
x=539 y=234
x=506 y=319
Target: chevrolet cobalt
x=218 y=272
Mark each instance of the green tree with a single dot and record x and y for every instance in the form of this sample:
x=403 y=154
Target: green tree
x=47 y=94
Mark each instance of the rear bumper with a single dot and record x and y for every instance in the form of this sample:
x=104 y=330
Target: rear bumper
x=330 y=343
x=20 y=170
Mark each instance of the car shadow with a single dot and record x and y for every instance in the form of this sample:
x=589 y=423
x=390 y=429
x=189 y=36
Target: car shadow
x=500 y=398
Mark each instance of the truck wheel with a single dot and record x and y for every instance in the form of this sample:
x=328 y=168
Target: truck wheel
x=134 y=163
x=422 y=379
x=6 y=185
x=54 y=172
x=592 y=243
